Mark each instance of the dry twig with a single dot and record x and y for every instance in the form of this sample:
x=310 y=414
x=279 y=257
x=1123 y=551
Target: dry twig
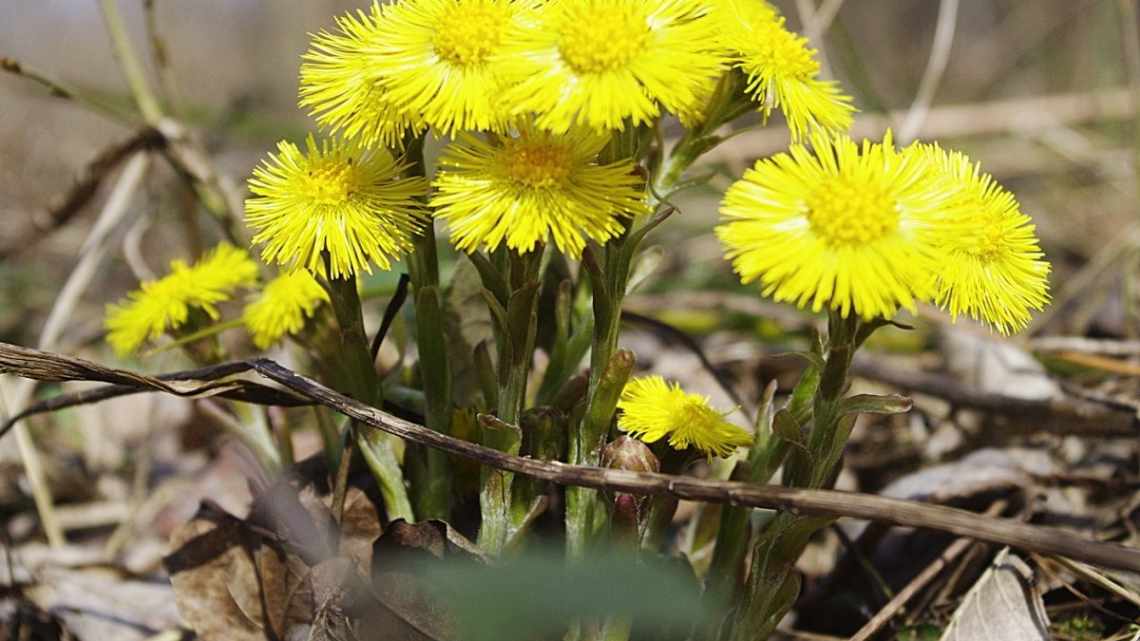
x=953 y=551
x=47 y=366
x=1065 y=414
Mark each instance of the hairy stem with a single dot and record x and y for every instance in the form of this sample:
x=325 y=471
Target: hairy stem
x=360 y=381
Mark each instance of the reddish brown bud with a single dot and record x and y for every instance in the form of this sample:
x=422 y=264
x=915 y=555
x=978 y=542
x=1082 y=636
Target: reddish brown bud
x=630 y=454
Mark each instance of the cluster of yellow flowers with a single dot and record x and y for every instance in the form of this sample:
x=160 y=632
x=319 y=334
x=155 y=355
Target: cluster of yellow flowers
x=165 y=304
x=531 y=94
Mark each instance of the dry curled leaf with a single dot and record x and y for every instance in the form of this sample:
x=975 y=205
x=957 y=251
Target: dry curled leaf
x=1004 y=605
x=232 y=584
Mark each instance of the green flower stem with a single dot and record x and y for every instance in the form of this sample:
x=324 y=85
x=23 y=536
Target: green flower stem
x=609 y=275
x=430 y=468
x=359 y=380
x=766 y=454
x=517 y=351
x=586 y=511
x=516 y=337
x=495 y=500
x=773 y=584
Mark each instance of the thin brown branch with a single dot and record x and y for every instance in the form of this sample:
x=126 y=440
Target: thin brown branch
x=1065 y=414
x=84 y=189
x=58 y=89
x=160 y=57
x=23 y=361
x=928 y=574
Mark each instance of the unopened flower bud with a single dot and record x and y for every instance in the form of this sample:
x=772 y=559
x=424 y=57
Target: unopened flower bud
x=630 y=454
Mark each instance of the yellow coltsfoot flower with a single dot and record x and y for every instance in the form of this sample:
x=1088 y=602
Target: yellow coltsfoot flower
x=601 y=62
x=653 y=409
x=533 y=188
x=283 y=306
x=840 y=226
x=336 y=201
x=343 y=83
x=991 y=266
x=781 y=68
x=165 y=304
x=438 y=59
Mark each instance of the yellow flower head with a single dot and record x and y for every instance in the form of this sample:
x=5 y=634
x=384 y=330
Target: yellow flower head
x=599 y=62
x=991 y=266
x=342 y=83
x=438 y=59
x=840 y=227
x=283 y=306
x=653 y=409
x=532 y=188
x=336 y=199
x=165 y=304
x=781 y=68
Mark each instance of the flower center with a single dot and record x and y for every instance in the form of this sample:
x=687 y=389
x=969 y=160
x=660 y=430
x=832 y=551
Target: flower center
x=469 y=32
x=596 y=38
x=844 y=213
x=784 y=52
x=982 y=237
x=534 y=164
x=331 y=184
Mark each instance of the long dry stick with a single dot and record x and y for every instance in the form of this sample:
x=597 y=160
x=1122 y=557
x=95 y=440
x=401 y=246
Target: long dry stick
x=44 y=365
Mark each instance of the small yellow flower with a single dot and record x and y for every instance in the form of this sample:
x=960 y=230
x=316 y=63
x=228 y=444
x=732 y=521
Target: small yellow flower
x=991 y=266
x=653 y=409
x=438 y=59
x=283 y=306
x=533 y=188
x=841 y=227
x=165 y=304
x=337 y=200
x=781 y=68
x=342 y=83
x=600 y=62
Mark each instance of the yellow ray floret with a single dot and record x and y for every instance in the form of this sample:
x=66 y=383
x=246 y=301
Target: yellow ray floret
x=600 y=62
x=165 y=304
x=336 y=201
x=781 y=68
x=840 y=226
x=342 y=83
x=534 y=188
x=439 y=59
x=283 y=306
x=653 y=409
x=991 y=266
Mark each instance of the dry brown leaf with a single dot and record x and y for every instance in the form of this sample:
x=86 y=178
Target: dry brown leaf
x=1004 y=605
x=231 y=585
x=409 y=609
